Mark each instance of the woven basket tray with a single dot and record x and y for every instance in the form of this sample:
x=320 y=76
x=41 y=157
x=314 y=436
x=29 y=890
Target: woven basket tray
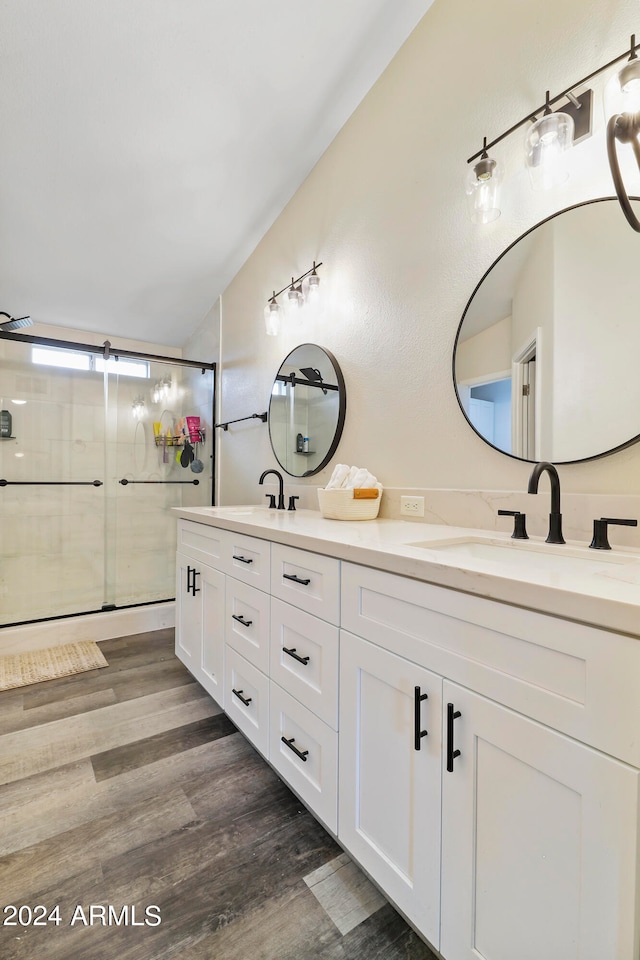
x=349 y=504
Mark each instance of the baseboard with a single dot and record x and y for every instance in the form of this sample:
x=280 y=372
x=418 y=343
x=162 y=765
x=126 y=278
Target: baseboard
x=92 y=626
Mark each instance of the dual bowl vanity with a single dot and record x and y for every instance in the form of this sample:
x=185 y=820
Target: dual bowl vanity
x=458 y=708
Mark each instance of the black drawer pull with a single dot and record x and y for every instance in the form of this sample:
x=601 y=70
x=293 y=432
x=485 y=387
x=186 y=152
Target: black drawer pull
x=243 y=559
x=192 y=573
x=418 y=733
x=292 y=653
x=292 y=576
x=245 y=623
x=451 y=753
x=303 y=754
x=245 y=700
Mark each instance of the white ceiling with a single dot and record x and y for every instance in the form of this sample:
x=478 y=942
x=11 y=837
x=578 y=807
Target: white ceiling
x=147 y=145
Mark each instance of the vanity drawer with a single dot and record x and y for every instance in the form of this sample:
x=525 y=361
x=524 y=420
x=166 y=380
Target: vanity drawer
x=247 y=559
x=306 y=580
x=247 y=699
x=304 y=659
x=311 y=769
x=246 y=626
x=201 y=542
x=577 y=679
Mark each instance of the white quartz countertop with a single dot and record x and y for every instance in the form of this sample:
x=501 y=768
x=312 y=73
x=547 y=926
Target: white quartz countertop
x=601 y=588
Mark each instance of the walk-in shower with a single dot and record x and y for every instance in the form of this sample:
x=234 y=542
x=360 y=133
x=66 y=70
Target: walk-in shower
x=89 y=470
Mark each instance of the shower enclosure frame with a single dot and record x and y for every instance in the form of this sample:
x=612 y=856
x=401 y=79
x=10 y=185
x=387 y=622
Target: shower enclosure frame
x=108 y=352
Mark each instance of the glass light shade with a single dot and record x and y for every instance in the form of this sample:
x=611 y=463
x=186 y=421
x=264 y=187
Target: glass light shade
x=272 y=318
x=294 y=299
x=483 y=190
x=622 y=92
x=313 y=288
x=546 y=144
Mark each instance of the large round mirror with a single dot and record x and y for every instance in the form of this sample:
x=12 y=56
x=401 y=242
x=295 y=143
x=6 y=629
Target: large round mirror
x=544 y=345
x=307 y=410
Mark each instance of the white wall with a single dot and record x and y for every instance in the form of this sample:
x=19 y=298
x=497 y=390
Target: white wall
x=384 y=209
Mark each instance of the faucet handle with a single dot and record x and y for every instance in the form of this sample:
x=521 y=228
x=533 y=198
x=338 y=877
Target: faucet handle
x=272 y=500
x=600 y=539
x=292 y=502
x=519 y=525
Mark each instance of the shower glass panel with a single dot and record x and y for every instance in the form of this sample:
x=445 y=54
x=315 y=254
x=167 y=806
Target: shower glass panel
x=89 y=473
x=145 y=453
x=52 y=495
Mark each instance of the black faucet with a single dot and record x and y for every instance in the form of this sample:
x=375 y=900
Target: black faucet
x=555 y=517
x=276 y=473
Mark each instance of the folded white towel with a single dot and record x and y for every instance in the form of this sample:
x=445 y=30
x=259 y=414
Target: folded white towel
x=344 y=477
x=338 y=477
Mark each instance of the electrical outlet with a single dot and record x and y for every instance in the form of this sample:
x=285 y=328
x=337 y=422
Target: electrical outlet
x=412 y=506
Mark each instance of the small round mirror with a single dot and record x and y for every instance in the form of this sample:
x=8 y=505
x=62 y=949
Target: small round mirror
x=307 y=410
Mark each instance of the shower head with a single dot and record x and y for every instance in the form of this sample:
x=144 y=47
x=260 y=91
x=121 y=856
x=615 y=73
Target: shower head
x=311 y=374
x=14 y=323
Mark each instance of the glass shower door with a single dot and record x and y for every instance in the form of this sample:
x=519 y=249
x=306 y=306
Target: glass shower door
x=52 y=493
x=150 y=470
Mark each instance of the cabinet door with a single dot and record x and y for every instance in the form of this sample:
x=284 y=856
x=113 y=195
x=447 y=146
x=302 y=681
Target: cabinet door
x=212 y=660
x=539 y=841
x=200 y=622
x=188 y=616
x=389 y=797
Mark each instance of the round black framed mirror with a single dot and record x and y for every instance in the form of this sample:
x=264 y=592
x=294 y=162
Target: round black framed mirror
x=541 y=353
x=307 y=410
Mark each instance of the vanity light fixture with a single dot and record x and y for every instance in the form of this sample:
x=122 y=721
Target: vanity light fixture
x=295 y=298
x=551 y=135
x=622 y=108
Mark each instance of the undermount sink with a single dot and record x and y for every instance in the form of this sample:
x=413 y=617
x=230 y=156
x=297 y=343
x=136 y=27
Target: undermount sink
x=524 y=556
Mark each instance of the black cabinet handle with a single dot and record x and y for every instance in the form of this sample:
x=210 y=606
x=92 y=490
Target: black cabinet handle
x=243 y=559
x=292 y=576
x=292 y=653
x=245 y=623
x=303 y=754
x=418 y=734
x=245 y=700
x=451 y=753
x=192 y=573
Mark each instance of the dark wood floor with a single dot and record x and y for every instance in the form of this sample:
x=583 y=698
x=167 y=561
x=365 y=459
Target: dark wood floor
x=127 y=787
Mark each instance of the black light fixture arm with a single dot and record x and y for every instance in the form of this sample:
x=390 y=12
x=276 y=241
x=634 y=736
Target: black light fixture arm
x=629 y=53
x=295 y=282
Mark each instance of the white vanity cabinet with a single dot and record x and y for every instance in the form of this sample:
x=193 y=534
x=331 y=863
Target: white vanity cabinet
x=481 y=761
x=537 y=832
